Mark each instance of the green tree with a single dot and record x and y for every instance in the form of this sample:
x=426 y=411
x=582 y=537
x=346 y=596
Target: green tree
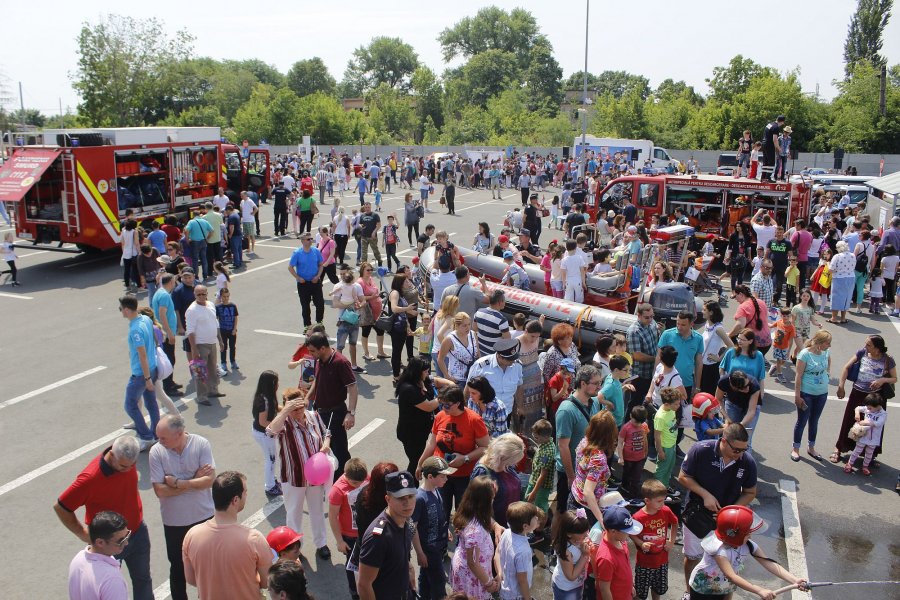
x=515 y=32
x=542 y=82
x=670 y=89
x=385 y=60
x=322 y=118
x=264 y=72
x=864 y=35
x=197 y=116
x=251 y=121
x=856 y=124
x=734 y=79
x=231 y=89
x=32 y=117
x=124 y=69
x=621 y=83
x=428 y=96
x=390 y=113
x=431 y=135
x=310 y=76
x=620 y=118
x=484 y=75
x=576 y=81
x=283 y=118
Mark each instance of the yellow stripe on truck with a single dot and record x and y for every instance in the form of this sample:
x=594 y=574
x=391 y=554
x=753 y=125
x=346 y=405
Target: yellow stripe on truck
x=110 y=215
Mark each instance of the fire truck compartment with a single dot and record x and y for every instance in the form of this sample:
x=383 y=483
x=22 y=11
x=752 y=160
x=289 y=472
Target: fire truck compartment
x=142 y=177
x=44 y=201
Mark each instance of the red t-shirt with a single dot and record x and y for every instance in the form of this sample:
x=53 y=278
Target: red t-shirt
x=173 y=234
x=555 y=383
x=100 y=487
x=656 y=531
x=457 y=435
x=333 y=377
x=344 y=495
x=611 y=563
x=634 y=447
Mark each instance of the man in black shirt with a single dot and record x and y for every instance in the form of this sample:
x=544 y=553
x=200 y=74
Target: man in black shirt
x=770 y=137
x=531 y=254
x=579 y=195
x=630 y=212
x=575 y=219
x=778 y=251
x=531 y=219
x=369 y=224
x=281 y=208
x=424 y=241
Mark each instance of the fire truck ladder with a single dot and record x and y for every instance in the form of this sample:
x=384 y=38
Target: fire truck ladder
x=70 y=193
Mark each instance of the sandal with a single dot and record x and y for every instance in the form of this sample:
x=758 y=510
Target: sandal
x=866 y=471
x=835 y=457
x=875 y=464
x=382 y=355
x=848 y=469
x=817 y=456
x=832 y=322
x=368 y=357
x=845 y=321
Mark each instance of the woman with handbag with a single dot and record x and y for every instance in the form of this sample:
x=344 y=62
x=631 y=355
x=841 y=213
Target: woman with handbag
x=161 y=374
x=400 y=331
x=871 y=370
x=370 y=311
x=411 y=218
x=458 y=350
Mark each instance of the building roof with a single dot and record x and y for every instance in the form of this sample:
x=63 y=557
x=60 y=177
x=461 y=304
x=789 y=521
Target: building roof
x=889 y=183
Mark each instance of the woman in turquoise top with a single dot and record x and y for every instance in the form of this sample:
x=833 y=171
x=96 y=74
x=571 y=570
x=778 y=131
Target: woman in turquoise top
x=811 y=391
x=745 y=357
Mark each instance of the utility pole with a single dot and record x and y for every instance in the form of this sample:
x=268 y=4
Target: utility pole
x=587 y=26
x=22 y=106
x=882 y=101
x=62 y=124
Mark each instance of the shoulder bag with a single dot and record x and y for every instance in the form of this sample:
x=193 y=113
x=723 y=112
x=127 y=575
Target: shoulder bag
x=385 y=321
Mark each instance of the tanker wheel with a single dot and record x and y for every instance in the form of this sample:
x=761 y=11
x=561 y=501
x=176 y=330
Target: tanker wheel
x=88 y=249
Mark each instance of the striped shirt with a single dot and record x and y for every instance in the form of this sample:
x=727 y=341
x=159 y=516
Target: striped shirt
x=296 y=443
x=491 y=325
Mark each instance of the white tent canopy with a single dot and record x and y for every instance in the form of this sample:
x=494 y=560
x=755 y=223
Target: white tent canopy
x=488 y=155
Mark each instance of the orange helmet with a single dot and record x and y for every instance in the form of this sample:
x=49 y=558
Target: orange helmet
x=735 y=522
x=703 y=404
x=282 y=537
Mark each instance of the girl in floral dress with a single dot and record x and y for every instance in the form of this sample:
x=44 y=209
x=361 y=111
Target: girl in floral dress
x=470 y=570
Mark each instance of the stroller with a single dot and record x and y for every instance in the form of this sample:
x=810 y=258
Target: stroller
x=700 y=280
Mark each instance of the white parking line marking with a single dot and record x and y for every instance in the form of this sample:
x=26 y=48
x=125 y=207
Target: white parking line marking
x=834 y=398
x=275 y=246
x=162 y=591
x=85 y=262
x=33 y=253
x=793 y=537
x=272 y=264
x=16 y=296
x=32 y=475
x=52 y=386
x=300 y=335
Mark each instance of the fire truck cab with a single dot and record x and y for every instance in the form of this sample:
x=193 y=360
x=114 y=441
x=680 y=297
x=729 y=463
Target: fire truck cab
x=76 y=187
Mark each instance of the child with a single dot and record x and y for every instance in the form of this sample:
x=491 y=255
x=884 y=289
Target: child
x=757 y=262
x=620 y=348
x=873 y=421
x=222 y=279
x=781 y=342
x=651 y=569
x=514 y=551
x=820 y=282
x=602 y=266
x=303 y=359
x=378 y=200
x=559 y=387
x=557 y=284
x=876 y=291
x=724 y=551
x=540 y=483
x=755 y=160
x=612 y=388
x=514 y=275
x=665 y=425
x=285 y=543
x=227 y=314
x=341 y=499
x=573 y=268
x=792 y=279
x=571 y=549
x=431 y=523
x=581 y=241
x=425 y=336
x=390 y=242
x=519 y=321
x=632 y=451
x=707 y=424
x=8 y=253
x=804 y=317
x=612 y=568
x=554 y=212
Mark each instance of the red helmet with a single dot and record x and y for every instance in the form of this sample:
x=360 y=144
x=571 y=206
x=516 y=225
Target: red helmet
x=282 y=537
x=735 y=522
x=703 y=404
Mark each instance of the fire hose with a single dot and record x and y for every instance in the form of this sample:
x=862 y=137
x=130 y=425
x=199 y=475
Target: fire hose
x=808 y=586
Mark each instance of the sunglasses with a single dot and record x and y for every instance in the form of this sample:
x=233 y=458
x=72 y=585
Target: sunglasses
x=121 y=543
x=735 y=450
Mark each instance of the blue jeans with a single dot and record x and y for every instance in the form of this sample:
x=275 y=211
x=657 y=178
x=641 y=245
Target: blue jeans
x=424 y=194
x=237 y=250
x=136 y=555
x=151 y=288
x=815 y=405
x=559 y=594
x=736 y=414
x=454 y=489
x=433 y=579
x=133 y=391
x=198 y=253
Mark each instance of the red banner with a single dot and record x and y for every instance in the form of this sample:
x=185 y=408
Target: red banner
x=23 y=170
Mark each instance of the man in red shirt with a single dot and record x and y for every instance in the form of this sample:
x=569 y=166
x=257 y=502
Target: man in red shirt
x=612 y=567
x=110 y=482
x=173 y=234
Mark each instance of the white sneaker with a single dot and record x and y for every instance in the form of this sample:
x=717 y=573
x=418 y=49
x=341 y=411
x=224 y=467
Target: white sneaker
x=222 y=372
x=128 y=425
x=146 y=444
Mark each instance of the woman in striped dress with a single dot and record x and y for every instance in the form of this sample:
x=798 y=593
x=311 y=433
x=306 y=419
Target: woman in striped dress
x=532 y=381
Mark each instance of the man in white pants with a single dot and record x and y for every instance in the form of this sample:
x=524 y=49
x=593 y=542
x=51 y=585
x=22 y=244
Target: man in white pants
x=573 y=270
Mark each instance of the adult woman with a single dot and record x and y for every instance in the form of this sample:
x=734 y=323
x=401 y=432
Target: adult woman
x=174 y=258
x=444 y=247
x=843 y=278
x=873 y=368
x=561 y=335
x=471 y=566
x=739 y=251
x=483 y=401
x=370 y=312
x=744 y=357
x=484 y=241
x=811 y=390
x=416 y=401
x=741 y=397
x=370 y=502
x=714 y=340
x=499 y=463
x=130 y=245
x=356 y=232
x=287 y=581
x=867 y=248
x=752 y=313
x=458 y=350
x=532 y=378
x=301 y=433
x=661 y=272
x=341 y=233
x=327 y=247
x=265 y=407
x=400 y=308
x=411 y=218
x=618 y=226
x=411 y=295
x=591 y=467
x=604 y=233
x=460 y=437
x=441 y=325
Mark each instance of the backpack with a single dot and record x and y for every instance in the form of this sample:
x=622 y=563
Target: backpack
x=862 y=261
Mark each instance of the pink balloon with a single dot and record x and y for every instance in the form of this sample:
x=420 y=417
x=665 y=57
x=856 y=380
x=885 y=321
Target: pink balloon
x=317 y=469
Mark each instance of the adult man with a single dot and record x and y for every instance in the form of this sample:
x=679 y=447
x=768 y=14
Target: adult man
x=280 y=205
x=530 y=253
x=575 y=220
x=182 y=471
x=254 y=197
x=801 y=240
x=532 y=218
x=289 y=182
x=335 y=393
x=182 y=298
x=770 y=141
x=424 y=240
x=764 y=227
x=778 y=251
x=142 y=352
x=374 y=172
x=424 y=188
x=369 y=223
x=199 y=233
x=384 y=568
x=306 y=267
x=94 y=574
x=164 y=309
x=503 y=371
x=214 y=247
x=689 y=363
x=630 y=212
x=490 y=323
x=572 y=418
x=248 y=222
x=643 y=343
x=494 y=175
x=762 y=285
x=235 y=235
x=223 y=558
x=891 y=236
x=220 y=200
x=202 y=332
x=524 y=183
x=717 y=473
x=362 y=187
x=110 y=482
x=441 y=278
x=470 y=297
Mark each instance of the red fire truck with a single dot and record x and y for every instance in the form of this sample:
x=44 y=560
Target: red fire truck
x=713 y=204
x=76 y=187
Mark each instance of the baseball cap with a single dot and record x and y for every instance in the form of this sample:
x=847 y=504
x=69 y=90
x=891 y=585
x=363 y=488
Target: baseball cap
x=503 y=238
x=187 y=271
x=507 y=348
x=569 y=364
x=618 y=518
x=444 y=261
x=435 y=465
x=524 y=231
x=399 y=484
x=508 y=254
